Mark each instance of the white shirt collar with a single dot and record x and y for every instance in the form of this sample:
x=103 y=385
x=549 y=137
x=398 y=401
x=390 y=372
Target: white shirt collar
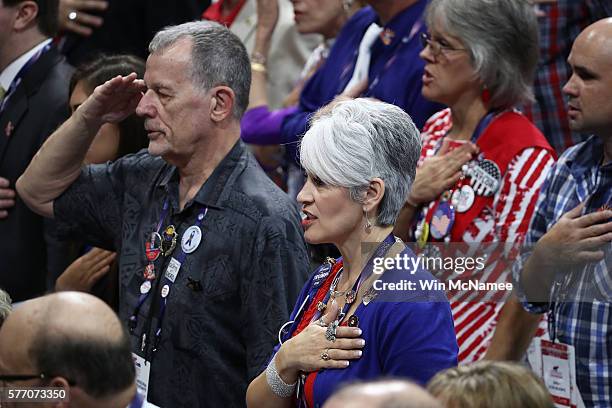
x=10 y=72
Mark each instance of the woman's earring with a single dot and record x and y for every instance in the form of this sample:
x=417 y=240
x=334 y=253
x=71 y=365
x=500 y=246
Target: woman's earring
x=368 y=224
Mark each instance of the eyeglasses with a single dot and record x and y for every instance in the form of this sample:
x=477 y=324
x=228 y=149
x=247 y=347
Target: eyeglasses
x=25 y=377
x=436 y=46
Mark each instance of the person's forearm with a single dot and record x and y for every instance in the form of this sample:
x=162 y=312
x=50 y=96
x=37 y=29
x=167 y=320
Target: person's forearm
x=258 y=95
x=260 y=126
x=536 y=278
x=57 y=164
x=513 y=333
x=260 y=395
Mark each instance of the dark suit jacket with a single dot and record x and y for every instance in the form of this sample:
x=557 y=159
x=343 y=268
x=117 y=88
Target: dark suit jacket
x=38 y=106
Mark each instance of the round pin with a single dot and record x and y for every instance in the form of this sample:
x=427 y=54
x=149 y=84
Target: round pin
x=165 y=291
x=424 y=234
x=442 y=220
x=145 y=287
x=191 y=239
x=463 y=199
x=151 y=252
x=486 y=177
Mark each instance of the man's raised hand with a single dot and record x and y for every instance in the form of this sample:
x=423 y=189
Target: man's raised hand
x=113 y=101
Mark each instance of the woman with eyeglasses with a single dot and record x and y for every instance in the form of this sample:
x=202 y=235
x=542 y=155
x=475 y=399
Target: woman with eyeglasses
x=482 y=162
x=363 y=315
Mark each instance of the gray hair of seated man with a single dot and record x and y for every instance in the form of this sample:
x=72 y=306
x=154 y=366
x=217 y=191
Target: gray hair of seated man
x=351 y=142
x=218 y=57
x=502 y=39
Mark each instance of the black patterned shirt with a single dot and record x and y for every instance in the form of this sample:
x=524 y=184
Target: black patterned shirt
x=232 y=293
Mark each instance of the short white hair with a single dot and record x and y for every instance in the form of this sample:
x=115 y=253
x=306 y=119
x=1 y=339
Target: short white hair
x=351 y=142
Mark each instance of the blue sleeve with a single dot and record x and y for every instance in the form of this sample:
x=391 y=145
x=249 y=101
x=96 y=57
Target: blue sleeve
x=295 y=125
x=417 y=340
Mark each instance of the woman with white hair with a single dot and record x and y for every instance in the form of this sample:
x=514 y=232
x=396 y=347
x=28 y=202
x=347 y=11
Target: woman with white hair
x=356 y=317
x=482 y=163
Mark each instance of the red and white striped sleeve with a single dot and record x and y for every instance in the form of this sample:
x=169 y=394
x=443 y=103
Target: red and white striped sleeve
x=515 y=201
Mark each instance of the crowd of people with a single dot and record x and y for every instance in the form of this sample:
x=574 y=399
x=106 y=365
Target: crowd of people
x=204 y=204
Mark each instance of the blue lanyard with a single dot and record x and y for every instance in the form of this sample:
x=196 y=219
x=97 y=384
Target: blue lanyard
x=133 y=320
x=365 y=274
x=167 y=283
x=484 y=122
x=17 y=80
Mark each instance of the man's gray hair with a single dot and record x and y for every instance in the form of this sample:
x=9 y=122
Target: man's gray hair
x=502 y=39
x=218 y=57
x=351 y=142
x=5 y=306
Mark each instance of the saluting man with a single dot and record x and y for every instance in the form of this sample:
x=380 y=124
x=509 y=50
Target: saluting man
x=211 y=252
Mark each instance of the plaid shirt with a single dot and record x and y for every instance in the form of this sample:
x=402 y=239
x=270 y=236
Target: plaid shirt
x=585 y=321
x=559 y=26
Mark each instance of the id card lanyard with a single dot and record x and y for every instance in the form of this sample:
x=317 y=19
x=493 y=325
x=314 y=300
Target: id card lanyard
x=168 y=279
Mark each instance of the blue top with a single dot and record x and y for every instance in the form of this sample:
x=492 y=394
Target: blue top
x=407 y=333
x=395 y=73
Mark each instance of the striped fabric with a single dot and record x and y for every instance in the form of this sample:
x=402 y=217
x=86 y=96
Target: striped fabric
x=584 y=319
x=506 y=222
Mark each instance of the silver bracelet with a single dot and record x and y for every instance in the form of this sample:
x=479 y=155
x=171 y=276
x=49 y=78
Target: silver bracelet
x=277 y=385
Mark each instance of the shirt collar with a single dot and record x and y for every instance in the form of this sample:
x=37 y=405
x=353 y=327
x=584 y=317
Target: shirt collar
x=586 y=158
x=11 y=71
x=211 y=194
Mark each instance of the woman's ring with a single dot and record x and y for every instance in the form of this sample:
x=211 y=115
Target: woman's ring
x=325 y=355
x=72 y=15
x=330 y=333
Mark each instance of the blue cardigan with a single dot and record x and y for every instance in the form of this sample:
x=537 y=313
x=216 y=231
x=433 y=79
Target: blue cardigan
x=408 y=334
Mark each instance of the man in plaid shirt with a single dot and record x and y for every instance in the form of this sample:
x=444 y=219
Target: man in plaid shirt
x=568 y=272
x=560 y=23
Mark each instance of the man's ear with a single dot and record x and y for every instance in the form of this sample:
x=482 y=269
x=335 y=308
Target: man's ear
x=222 y=103
x=374 y=194
x=27 y=11
x=61 y=383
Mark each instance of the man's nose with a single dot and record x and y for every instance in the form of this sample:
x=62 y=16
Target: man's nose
x=146 y=106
